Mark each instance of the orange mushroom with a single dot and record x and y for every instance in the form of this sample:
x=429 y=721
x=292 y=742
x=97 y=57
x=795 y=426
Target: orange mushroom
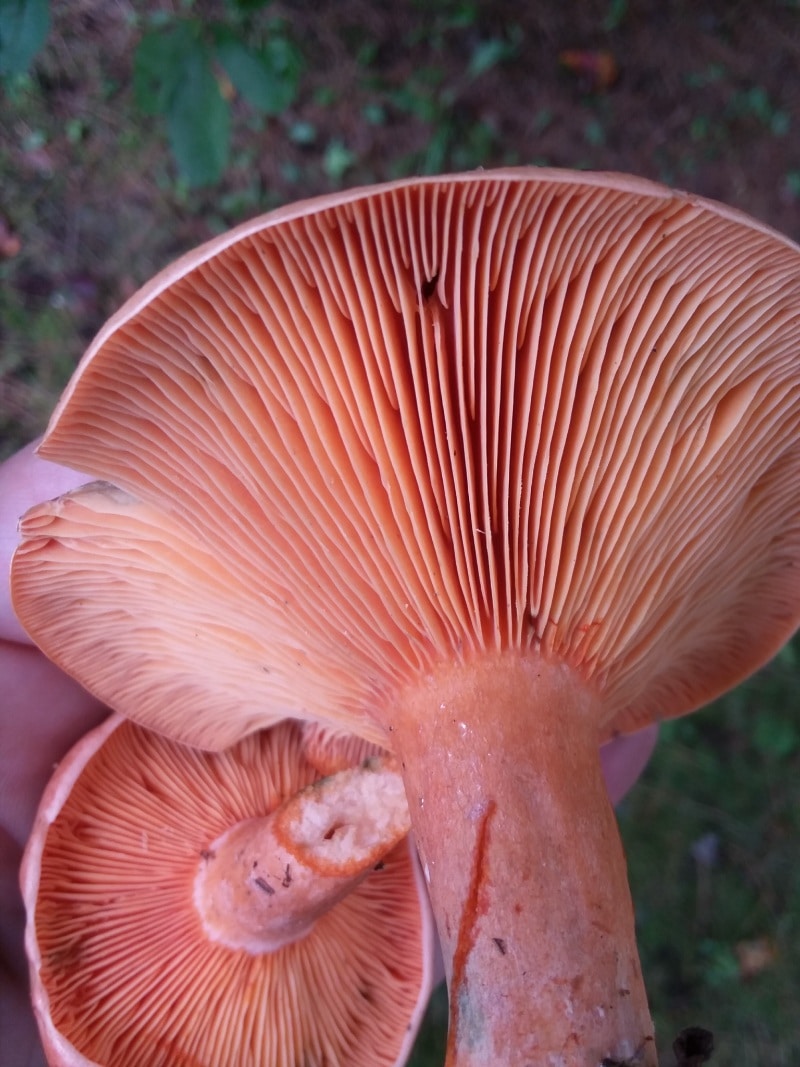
x=177 y=916
x=485 y=469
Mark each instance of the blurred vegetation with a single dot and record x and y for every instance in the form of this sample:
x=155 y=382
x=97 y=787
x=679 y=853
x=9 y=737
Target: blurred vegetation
x=130 y=132
x=24 y=25
x=188 y=68
x=712 y=834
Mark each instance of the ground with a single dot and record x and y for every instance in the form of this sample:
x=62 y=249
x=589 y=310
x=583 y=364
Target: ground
x=700 y=94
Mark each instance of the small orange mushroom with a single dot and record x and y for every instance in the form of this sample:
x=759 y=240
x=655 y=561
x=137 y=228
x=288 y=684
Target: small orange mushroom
x=176 y=916
x=485 y=469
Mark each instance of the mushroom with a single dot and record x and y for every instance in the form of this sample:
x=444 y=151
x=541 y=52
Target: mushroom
x=485 y=469
x=219 y=909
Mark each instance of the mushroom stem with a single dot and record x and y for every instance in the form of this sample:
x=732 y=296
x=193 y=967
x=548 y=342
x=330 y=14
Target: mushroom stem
x=264 y=882
x=525 y=866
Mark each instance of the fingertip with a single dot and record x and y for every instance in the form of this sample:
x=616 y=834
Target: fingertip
x=625 y=758
x=25 y=479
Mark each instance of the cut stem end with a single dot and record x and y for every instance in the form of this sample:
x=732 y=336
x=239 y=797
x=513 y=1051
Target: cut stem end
x=265 y=882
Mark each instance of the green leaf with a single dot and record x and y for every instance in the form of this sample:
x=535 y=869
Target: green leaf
x=173 y=76
x=721 y=966
x=268 y=77
x=616 y=14
x=487 y=54
x=247 y=5
x=24 y=25
x=159 y=63
x=303 y=133
x=775 y=737
x=198 y=121
x=338 y=159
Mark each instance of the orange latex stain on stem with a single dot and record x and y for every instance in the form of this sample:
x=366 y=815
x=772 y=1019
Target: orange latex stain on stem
x=473 y=908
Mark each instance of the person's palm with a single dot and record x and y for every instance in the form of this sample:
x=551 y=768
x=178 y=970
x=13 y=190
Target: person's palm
x=43 y=712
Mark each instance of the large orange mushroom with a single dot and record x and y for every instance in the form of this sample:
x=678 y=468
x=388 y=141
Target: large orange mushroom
x=486 y=469
x=222 y=909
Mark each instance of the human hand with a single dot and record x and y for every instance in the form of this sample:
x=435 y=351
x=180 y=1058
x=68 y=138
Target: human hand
x=43 y=712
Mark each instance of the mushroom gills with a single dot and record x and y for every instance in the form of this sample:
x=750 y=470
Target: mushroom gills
x=124 y=971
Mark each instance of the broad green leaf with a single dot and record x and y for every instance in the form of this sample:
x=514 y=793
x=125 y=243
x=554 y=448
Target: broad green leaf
x=268 y=77
x=198 y=120
x=159 y=63
x=24 y=25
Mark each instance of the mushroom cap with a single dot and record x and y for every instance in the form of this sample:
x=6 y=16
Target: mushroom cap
x=523 y=409
x=122 y=969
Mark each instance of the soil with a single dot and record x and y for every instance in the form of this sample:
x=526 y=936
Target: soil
x=700 y=95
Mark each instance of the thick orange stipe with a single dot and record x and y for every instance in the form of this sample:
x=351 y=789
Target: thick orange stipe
x=525 y=866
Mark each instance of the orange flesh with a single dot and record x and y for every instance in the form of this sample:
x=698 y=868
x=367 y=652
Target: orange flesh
x=526 y=869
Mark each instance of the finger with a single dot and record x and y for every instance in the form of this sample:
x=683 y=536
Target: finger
x=43 y=713
x=625 y=758
x=25 y=480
